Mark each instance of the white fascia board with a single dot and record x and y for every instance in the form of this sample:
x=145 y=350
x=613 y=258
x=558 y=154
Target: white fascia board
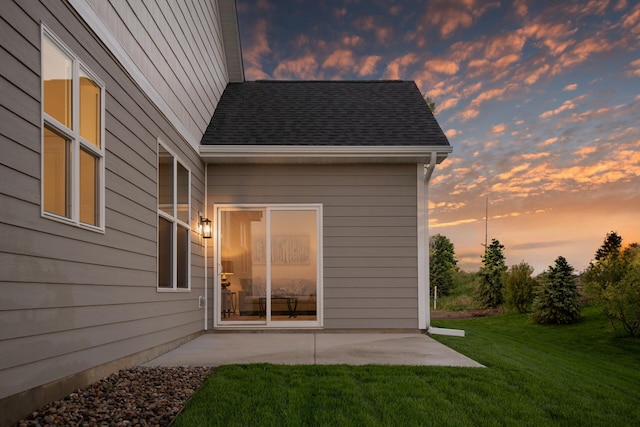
x=221 y=153
x=86 y=11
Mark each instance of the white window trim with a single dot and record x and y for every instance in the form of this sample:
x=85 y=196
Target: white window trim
x=175 y=222
x=77 y=142
x=217 y=288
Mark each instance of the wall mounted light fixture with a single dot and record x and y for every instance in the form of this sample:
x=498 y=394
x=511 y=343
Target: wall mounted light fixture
x=205 y=227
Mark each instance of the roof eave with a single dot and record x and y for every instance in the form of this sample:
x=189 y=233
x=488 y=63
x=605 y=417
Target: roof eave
x=289 y=154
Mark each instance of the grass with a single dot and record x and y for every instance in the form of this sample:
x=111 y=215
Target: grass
x=575 y=375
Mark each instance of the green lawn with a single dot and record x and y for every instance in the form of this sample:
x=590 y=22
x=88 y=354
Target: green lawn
x=577 y=375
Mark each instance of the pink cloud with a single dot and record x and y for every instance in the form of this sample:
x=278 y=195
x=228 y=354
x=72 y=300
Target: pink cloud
x=452 y=133
x=368 y=65
x=520 y=7
x=633 y=69
x=570 y=87
x=505 y=44
x=580 y=52
x=383 y=33
x=253 y=73
x=622 y=4
x=258 y=47
x=341 y=59
x=442 y=66
x=449 y=15
x=498 y=129
x=305 y=67
x=367 y=23
x=569 y=104
x=364 y=23
x=448 y=103
x=352 y=40
x=398 y=66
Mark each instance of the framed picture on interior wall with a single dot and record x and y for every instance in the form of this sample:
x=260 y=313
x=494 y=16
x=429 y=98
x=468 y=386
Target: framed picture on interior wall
x=284 y=250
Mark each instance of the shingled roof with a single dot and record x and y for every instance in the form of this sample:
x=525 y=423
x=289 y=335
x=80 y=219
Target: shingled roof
x=323 y=113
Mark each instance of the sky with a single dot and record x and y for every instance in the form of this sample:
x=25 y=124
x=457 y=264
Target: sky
x=539 y=99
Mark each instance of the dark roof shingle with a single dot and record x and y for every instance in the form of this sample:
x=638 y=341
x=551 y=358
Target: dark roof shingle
x=323 y=113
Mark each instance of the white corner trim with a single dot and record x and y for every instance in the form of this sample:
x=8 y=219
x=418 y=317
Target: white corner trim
x=86 y=11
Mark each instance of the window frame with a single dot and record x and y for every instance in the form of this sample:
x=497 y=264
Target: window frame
x=76 y=142
x=175 y=222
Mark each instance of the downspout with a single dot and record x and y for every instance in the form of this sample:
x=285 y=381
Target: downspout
x=428 y=171
x=206 y=244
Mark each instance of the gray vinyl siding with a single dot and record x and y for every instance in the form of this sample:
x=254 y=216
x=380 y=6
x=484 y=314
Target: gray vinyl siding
x=369 y=232
x=178 y=46
x=72 y=299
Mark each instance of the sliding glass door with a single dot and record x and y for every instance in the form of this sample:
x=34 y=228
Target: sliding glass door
x=269 y=265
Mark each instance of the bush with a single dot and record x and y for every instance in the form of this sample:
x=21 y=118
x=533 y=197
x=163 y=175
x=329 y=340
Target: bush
x=519 y=287
x=557 y=299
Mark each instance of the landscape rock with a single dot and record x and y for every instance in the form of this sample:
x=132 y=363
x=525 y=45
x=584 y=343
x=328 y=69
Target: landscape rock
x=139 y=396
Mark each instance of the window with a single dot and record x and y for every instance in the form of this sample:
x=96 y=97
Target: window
x=72 y=137
x=174 y=183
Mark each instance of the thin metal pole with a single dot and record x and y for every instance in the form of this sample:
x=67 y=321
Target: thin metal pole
x=486 y=223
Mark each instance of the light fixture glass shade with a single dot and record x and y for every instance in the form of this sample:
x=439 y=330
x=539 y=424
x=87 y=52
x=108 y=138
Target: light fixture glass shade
x=205 y=223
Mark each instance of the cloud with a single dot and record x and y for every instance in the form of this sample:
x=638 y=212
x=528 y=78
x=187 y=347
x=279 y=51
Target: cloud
x=570 y=87
x=580 y=52
x=631 y=21
x=305 y=67
x=633 y=69
x=352 y=41
x=367 y=66
x=540 y=245
x=548 y=141
x=569 y=104
x=498 y=129
x=398 y=66
x=341 y=59
x=368 y=23
x=447 y=103
x=452 y=133
x=257 y=49
x=442 y=66
x=433 y=223
x=533 y=156
x=449 y=15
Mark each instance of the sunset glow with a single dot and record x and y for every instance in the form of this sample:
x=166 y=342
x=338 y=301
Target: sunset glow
x=540 y=101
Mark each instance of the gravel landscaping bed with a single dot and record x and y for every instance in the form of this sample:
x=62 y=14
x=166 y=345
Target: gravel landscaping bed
x=137 y=396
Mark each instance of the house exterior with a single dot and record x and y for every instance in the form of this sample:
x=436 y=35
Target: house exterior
x=123 y=126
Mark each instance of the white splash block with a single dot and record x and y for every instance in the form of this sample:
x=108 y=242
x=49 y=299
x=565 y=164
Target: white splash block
x=445 y=331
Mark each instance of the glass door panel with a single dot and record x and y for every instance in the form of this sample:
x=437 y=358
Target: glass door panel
x=294 y=267
x=241 y=265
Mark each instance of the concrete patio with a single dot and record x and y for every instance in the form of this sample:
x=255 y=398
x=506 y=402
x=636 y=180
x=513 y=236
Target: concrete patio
x=309 y=348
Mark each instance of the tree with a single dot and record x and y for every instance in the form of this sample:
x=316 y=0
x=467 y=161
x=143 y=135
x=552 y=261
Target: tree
x=491 y=275
x=430 y=103
x=442 y=263
x=519 y=287
x=613 y=281
x=557 y=298
x=610 y=247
